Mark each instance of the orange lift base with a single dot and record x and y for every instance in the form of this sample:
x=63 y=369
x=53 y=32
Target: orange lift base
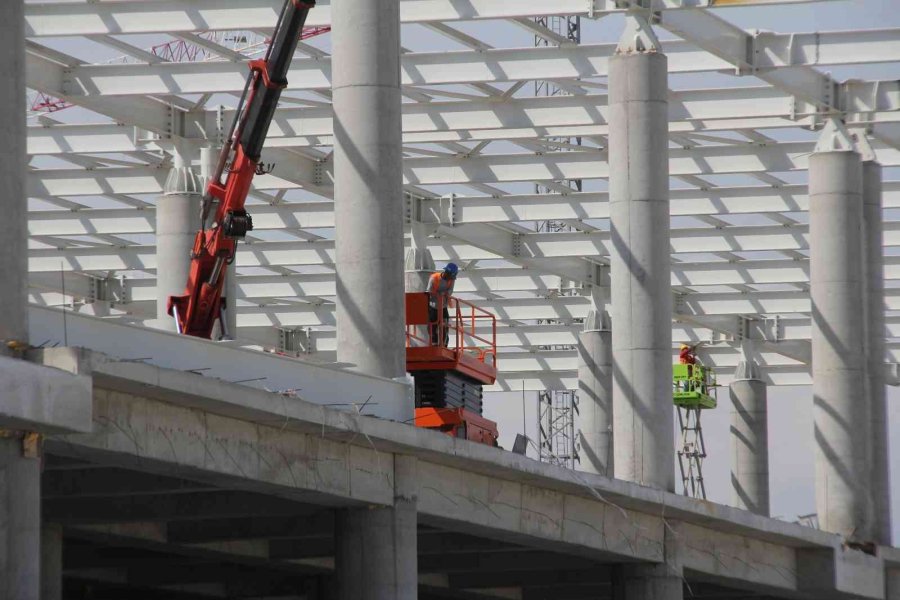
x=437 y=358
x=460 y=423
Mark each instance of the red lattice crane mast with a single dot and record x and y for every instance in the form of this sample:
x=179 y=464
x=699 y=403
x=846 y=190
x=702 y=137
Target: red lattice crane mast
x=197 y=310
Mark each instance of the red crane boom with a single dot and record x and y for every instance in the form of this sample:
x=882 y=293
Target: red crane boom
x=196 y=310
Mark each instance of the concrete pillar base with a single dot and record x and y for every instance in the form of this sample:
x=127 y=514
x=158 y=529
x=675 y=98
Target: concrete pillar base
x=647 y=582
x=376 y=548
x=20 y=522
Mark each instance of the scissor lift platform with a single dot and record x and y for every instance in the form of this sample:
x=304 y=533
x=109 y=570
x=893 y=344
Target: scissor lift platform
x=691 y=384
x=450 y=361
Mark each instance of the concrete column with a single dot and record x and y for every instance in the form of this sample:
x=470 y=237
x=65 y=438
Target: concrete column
x=20 y=522
x=51 y=561
x=368 y=190
x=663 y=581
x=875 y=352
x=177 y=222
x=593 y=420
x=639 y=259
x=840 y=411
x=749 y=439
x=376 y=548
x=646 y=582
x=14 y=224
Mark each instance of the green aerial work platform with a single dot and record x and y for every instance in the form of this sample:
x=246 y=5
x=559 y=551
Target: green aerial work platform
x=691 y=386
x=692 y=392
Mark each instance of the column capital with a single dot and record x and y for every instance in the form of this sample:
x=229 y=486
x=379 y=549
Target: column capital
x=182 y=179
x=835 y=137
x=862 y=144
x=638 y=35
x=747 y=369
x=598 y=317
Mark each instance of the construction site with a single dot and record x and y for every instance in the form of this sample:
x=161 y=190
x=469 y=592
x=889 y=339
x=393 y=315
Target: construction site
x=235 y=363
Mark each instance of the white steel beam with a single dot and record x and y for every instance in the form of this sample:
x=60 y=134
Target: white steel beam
x=171 y=16
x=552 y=166
x=460 y=210
x=462 y=67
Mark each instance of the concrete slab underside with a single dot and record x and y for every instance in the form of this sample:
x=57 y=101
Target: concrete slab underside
x=232 y=495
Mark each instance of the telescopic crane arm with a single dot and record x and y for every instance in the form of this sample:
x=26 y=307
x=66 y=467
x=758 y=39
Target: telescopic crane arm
x=196 y=310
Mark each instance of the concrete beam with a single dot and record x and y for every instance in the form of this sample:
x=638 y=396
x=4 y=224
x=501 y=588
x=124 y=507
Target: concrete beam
x=320 y=456
x=42 y=399
x=166 y=507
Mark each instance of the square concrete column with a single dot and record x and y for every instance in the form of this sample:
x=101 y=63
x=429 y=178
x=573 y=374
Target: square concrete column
x=177 y=222
x=376 y=547
x=14 y=204
x=875 y=351
x=368 y=186
x=841 y=411
x=749 y=438
x=51 y=561
x=639 y=258
x=20 y=522
x=663 y=581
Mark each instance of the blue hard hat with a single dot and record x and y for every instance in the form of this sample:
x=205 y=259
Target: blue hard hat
x=451 y=269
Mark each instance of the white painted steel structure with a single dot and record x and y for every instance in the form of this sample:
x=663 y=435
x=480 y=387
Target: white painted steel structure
x=475 y=144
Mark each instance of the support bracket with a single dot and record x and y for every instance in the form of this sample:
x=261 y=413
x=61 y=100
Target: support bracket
x=638 y=35
x=835 y=137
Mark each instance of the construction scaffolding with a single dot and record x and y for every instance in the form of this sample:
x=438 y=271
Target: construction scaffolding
x=556 y=426
x=557 y=408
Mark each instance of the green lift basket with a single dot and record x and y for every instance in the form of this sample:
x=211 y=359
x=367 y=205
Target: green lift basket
x=691 y=386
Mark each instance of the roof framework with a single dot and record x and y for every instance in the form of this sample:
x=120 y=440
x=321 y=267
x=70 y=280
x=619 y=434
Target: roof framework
x=477 y=142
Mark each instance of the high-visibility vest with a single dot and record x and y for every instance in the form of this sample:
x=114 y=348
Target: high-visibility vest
x=438 y=286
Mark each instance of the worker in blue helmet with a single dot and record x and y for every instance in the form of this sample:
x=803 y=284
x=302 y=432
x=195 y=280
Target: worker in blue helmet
x=440 y=289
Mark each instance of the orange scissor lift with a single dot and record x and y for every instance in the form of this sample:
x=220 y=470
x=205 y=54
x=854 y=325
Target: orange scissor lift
x=449 y=378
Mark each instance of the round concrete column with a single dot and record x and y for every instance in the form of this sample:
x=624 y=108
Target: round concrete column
x=14 y=224
x=875 y=351
x=368 y=192
x=639 y=261
x=20 y=522
x=749 y=439
x=593 y=420
x=841 y=413
x=177 y=222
